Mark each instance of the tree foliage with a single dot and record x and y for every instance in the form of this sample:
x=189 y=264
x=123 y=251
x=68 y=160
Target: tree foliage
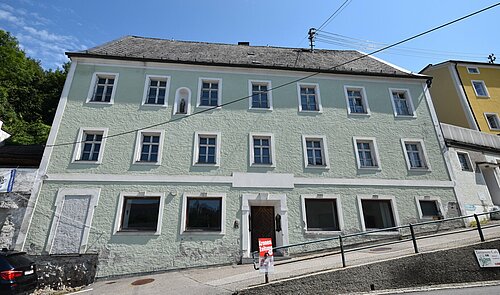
x=28 y=94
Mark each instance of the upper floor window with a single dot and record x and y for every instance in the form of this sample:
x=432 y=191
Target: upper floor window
x=480 y=88
x=366 y=153
x=315 y=151
x=156 y=90
x=401 y=102
x=260 y=95
x=493 y=121
x=472 y=70
x=91 y=145
x=149 y=145
x=309 y=97
x=262 y=150
x=103 y=88
x=209 y=92
x=207 y=149
x=465 y=162
x=356 y=100
x=415 y=154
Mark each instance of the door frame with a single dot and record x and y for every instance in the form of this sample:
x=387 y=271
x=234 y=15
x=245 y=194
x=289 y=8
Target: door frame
x=263 y=199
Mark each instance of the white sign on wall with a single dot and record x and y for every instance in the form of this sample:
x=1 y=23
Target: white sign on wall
x=488 y=257
x=7 y=180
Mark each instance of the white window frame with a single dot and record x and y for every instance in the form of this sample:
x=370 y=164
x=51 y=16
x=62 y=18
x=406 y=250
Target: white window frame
x=395 y=213
x=484 y=85
x=78 y=148
x=269 y=94
x=177 y=102
x=488 y=121
x=219 y=92
x=422 y=153
x=365 y=100
x=93 y=85
x=324 y=148
x=119 y=213
x=471 y=69
x=340 y=216
x=196 y=150
x=271 y=146
x=408 y=99
x=467 y=159
x=187 y=195
x=428 y=198
x=318 y=97
x=138 y=146
x=146 y=90
x=375 y=154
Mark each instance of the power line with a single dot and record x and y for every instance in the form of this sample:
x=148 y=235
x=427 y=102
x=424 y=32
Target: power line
x=293 y=81
x=334 y=14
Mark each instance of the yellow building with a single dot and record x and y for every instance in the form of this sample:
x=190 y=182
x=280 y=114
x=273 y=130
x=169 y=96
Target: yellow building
x=466 y=94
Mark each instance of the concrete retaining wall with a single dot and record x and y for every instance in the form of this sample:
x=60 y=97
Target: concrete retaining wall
x=58 y=272
x=457 y=265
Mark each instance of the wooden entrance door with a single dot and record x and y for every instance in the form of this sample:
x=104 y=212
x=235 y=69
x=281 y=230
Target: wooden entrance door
x=262 y=225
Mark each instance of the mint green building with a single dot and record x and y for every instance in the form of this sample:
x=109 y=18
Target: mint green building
x=167 y=154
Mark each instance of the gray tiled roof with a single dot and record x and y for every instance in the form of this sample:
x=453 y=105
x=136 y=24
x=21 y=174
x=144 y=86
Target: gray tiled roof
x=140 y=48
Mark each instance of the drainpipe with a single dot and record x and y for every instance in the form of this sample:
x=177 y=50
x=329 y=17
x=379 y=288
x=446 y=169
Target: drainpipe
x=465 y=93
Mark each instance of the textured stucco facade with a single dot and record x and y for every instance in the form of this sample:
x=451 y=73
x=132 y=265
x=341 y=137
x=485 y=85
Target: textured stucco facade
x=241 y=184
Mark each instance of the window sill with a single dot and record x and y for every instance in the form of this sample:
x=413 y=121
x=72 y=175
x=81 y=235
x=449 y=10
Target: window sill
x=369 y=168
x=99 y=102
x=83 y=162
x=310 y=112
x=420 y=169
x=482 y=96
x=206 y=165
x=151 y=105
x=209 y=107
x=136 y=233
x=147 y=163
x=358 y=114
x=319 y=167
x=202 y=233
x=405 y=116
x=253 y=165
x=312 y=233
x=260 y=109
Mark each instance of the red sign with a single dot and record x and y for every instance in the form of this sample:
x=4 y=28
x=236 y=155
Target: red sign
x=266 y=259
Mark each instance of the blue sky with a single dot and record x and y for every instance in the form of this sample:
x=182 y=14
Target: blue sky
x=48 y=28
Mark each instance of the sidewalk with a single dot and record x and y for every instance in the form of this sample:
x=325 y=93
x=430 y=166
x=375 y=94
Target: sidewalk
x=227 y=279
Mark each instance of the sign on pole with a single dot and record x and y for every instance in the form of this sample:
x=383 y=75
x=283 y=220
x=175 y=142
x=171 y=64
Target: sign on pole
x=266 y=258
x=488 y=257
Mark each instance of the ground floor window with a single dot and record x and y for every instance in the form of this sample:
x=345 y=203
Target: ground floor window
x=204 y=214
x=140 y=214
x=322 y=215
x=429 y=209
x=377 y=214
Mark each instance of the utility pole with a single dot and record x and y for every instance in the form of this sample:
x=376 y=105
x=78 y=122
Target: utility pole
x=312 y=33
x=492 y=58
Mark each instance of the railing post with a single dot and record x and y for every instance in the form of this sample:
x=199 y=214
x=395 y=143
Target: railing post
x=341 y=242
x=479 y=229
x=413 y=238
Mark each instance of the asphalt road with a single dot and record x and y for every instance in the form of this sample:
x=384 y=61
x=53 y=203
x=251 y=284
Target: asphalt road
x=485 y=290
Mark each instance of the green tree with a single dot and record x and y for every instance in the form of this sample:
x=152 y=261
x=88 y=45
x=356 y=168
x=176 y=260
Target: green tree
x=28 y=94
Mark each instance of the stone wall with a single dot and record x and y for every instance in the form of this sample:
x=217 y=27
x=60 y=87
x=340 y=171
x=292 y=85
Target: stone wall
x=450 y=266
x=57 y=272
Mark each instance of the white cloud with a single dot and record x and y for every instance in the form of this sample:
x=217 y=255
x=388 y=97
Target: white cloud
x=47 y=36
x=8 y=16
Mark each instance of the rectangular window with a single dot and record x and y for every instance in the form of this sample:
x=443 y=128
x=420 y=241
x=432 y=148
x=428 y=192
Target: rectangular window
x=149 y=145
x=429 y=209
x=91 y=146
x=203 y=214
x=262 y=150
x=356 y=100
x=315 y=151
x=260 y=95
x=480 y=88
x=103 y=89
x=156 y=90
x=366 y=153
x=415 y=155
x=309 y=97
x=377 y=214
x=209 y=94
x=472 y=70
x=464 y=160
x=207 y=150
x=140 y=214
x=401 y=102
x=321 y=215
x=493 y=121
x=150 y=148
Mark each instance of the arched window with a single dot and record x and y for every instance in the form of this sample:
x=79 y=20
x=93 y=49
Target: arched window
x=182 y=103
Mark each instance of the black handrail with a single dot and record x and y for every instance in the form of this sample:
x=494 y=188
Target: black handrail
x=411 y=227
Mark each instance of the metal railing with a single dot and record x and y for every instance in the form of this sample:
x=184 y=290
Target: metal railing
x=411 y=227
